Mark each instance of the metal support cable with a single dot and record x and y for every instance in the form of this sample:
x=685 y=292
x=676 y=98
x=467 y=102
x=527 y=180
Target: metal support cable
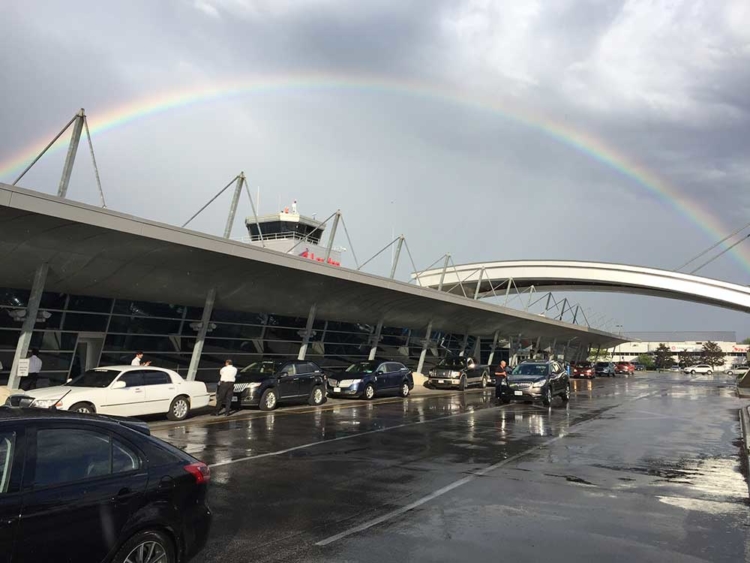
x=41 y=154
x=93 y=159
x=311 y=232
x=720 y=254
x=255 y=213
x=349 y=240
x=225 y=188
x=411 y=259
x=379 y=252
x=712 y=247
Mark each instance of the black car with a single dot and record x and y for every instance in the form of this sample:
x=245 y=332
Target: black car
x=370 y=378
x=267 y=383
x=459 y=372
x=78 y=487
x=532 y=381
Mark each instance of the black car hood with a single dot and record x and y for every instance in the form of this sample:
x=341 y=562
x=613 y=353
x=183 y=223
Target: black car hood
x=526 y=378
x=252 y=377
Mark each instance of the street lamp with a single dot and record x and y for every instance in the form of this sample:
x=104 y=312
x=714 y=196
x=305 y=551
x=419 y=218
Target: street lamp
x=620 y=333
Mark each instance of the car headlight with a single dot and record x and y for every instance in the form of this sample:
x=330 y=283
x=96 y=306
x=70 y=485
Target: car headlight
x=539 y=383
x=253 y=386
x=46 y=403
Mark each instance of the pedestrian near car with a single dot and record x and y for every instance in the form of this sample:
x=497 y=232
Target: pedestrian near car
x=138 y=360
x=501 y=374
x=32 y=380
x=227 y=376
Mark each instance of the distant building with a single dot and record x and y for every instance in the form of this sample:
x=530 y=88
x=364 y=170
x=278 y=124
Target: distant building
x=680 y=342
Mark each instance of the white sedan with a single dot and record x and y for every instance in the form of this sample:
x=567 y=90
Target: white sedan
x=700 y=368
x=125 y=391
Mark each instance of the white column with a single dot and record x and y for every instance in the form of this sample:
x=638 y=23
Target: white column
x=195 y=359
x=425 y=344
x=308 y=333
x=32 y=310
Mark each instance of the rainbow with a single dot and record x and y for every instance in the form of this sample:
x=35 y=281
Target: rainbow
x=595 y=148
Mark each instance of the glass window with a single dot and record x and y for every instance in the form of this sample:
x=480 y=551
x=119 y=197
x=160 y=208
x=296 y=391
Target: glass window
x=99 y=378
x=90 y=304
x=7 y=450
x=393 y=366
x=143 y=325
x=156 y=378
x=82 y=321
x=290 y=369
x=146 y=309
x=64 y=455
x=123 y=458
x=132 y=378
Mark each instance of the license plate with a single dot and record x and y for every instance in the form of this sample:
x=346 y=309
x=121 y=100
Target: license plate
x=337 y=389
x=518 y=393
x=441 y=380
x=234 y=399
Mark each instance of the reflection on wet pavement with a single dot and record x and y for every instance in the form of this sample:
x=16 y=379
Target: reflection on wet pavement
x=643 y=468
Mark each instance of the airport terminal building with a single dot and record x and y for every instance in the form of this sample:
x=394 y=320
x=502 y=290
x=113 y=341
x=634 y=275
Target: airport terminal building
x=681 y=342
x=89 y=286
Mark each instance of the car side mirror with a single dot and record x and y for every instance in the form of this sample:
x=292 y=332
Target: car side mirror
x=284 y=374
x=119 y=385
x=404 y=369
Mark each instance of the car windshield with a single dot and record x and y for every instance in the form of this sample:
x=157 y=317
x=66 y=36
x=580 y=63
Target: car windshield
x=363 y=367
x=602 y=364
x=452 y=363
x=583 y=365
x=267 y=367
x=95 y=378
x=530 y=369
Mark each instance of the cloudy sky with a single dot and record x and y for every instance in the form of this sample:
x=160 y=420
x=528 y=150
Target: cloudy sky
x=613 y=130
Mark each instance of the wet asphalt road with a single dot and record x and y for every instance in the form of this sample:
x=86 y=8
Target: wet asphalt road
x=644 y=468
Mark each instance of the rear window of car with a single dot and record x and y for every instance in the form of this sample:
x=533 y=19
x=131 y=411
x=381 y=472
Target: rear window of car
x=161 y=453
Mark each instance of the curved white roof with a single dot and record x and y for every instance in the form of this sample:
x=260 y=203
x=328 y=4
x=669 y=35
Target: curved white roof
x=570 y=275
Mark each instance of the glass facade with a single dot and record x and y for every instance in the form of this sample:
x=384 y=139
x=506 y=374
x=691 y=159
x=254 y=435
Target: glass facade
x=75 y=332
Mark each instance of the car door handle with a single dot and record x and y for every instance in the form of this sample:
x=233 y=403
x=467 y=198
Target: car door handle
x=124 y=494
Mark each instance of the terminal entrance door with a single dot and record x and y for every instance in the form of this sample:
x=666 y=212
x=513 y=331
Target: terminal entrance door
x=87 y=353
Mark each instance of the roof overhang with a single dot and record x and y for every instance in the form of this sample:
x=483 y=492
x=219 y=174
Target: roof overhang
x=99 y=252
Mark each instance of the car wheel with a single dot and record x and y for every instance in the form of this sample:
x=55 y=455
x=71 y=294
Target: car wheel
x=369 y=391
x=505 y=400
x=692 y=372
x=269 y=400
x=179 y=408
x=86 y=408
x=317 y=396
x=547 y=397
x=709 y=372
x=147 y=547
x=462 y=383
x=565 y=396
x=404 y=392
x=484 y=381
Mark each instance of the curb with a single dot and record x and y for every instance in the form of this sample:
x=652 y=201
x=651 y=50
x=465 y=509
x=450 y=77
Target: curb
x=745 y=427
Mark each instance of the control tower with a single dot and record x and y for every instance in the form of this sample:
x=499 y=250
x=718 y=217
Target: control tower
x=291 y=233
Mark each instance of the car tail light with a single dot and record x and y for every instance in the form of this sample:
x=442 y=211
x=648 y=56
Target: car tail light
x=200 y=471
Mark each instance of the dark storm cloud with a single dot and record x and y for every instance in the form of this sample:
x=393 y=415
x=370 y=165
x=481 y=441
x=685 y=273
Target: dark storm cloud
x=663 y=83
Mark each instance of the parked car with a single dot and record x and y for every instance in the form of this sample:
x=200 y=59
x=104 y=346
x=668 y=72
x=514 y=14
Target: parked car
x=604 y=368
x=699 y=368
x=267 y=383
x=584 y=369
x=81 y=487
x=125 y=391
x=625 y=367
x=459 y=372
x=531 y=381
x=639 y=367
x=370 y=378
x=736 y=369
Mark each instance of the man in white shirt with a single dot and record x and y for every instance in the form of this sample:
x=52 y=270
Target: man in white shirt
x=227 y=376
x=138 y=360
x=33 y=379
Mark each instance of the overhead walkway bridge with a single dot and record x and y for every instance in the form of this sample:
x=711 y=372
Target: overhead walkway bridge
x=501 y=279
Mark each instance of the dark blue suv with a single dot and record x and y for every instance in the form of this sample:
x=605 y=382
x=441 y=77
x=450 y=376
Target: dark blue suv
x=370 y=378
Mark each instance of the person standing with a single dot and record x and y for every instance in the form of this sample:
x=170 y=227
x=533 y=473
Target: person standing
x=501 y=378
x=138 y=360
x=227 y=376
x=35 y=366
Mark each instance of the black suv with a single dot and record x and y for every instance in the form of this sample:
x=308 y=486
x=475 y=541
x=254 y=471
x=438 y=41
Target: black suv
x=78 y=487
x=267 y=383
x=532 y=381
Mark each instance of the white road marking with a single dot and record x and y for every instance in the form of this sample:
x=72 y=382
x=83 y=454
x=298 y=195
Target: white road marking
x=350 y=436
x=465 y=480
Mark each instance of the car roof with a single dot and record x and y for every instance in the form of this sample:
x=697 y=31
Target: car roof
x=130 y=368
x=32 y=413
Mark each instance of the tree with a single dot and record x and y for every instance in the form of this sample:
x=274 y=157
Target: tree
x=647 y=360
x=663 y=358
x=712 y=354
x=746 y=341
x=686 y=359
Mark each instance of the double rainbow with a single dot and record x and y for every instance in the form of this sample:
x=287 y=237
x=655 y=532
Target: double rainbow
x=589 y=145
